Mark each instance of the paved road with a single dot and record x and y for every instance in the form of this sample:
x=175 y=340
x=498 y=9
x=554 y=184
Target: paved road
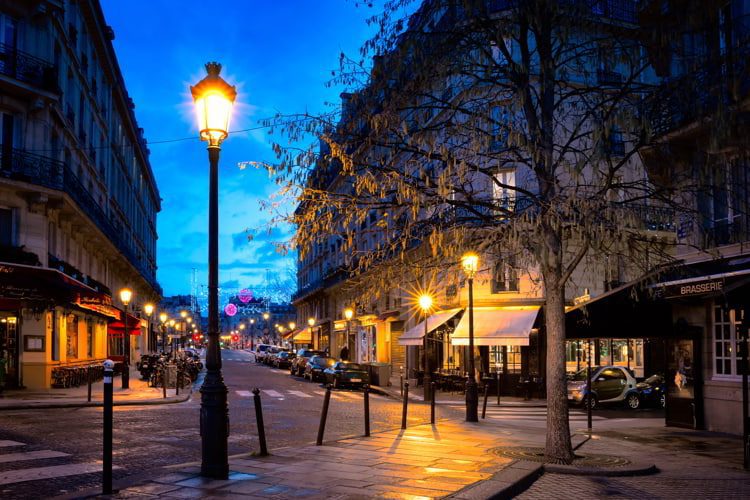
x=62 y=446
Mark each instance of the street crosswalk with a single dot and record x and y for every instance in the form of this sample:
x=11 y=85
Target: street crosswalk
x=289 y=393
x=527 y=414
x=15 y=453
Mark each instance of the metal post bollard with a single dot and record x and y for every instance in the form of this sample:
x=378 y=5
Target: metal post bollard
x=484 y=406
x=406 y=404
x=177 y=383
x=164 y=381
x=323 y=416
x=259 y=421
x=498 y=388
x=432 y=404
x=107 y=439
x=88 y=374
x=367 y=411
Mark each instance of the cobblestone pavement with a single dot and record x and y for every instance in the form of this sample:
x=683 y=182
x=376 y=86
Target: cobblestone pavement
x=564 y=487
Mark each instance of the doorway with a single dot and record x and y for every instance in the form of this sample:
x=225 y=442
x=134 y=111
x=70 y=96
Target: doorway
x=9 y=348
x=684 y=400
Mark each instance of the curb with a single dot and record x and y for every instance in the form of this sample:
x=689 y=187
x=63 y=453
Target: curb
x=93 y=404
x=507 y=483
x=632 y=470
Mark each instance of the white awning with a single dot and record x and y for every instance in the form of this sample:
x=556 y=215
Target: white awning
x=497 y=326
x=414 y=335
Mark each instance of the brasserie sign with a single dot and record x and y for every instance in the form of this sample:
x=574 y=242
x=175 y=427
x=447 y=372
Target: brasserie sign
x=695 y=288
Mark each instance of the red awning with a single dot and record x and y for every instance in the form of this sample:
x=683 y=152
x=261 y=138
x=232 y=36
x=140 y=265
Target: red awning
x=117 y=327
x=42 y=284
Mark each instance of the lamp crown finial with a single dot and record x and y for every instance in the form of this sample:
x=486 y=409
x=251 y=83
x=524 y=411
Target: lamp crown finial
x=213 y=68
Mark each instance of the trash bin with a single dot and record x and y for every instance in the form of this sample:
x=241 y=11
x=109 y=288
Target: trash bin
x=380 y=374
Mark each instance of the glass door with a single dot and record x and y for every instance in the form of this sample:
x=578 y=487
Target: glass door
x=9 y=349
x=683 y=405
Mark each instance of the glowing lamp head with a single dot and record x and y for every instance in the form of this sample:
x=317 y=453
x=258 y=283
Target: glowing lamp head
x=183 y=314
x=189 y=320
x=125 y=295
x=425 y=302
x=348 y=314
x=163 y=317
x=171 y=322
x=242 y=326
x=292 y=325
x=311 y=321
x=148 y=309
x=213 y=99
x=266 y=315
x=470 y=264
x=252 y=321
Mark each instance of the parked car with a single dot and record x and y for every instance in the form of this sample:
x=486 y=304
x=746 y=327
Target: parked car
x=609 y=384
x=653 y=391
x=260 y=352
x=316 y=366
x=303 y=356
x=347 y=373
x=284 y=359
x=271 y=353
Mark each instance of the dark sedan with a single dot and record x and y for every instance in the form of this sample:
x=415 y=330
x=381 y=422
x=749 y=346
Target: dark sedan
x=652 y=391
x=316 y=366
x=284 y=359
x=303 y=356
x=347 y=373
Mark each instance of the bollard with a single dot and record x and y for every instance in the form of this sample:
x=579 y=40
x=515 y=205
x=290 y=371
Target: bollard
x=88 y=374
x=484 y=407
x=406 y=404
x=177 y=383
x=432 y=404
x=401 y=385
x=323 y=416
x=259 y=421
x=164 y=381
x=367 y=411
x=498 y=388
x=108 y=403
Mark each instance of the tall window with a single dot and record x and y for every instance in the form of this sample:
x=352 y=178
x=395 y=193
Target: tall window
x=505 y=276
x=499 y=127
x=503 y=192
x=6 y=227
x=723 y=204
x=726 y=360
x=8 y=37
x=72 y=335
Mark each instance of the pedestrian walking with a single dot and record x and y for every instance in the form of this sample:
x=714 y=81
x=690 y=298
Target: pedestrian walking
x=344 y=353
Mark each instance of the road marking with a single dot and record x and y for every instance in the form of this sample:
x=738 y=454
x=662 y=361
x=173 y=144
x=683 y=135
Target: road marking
x=4 y=443
x=37 y=473
x=273 y=393
x=346 y=395
x=320 y=393
x=31 y=455
x=274 y=370
x=244 y=394
x=299 y=394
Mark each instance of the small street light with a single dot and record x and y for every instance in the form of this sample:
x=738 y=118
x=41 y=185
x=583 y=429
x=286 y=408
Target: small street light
x=425 y=303
x=470 y=264
x=125 y=295
x=148 y=309
x=163 y=317
x=348 y=314
x=214 y=99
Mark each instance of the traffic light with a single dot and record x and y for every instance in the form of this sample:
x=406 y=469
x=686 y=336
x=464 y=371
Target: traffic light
x=235 y=338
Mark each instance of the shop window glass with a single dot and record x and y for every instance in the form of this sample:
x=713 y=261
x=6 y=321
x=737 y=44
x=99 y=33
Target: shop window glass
x=72 y=336
x=90 y=339
x=726 y=361
x=514 y=359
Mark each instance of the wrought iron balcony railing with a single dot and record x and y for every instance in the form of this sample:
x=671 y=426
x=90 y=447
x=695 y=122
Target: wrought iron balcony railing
x=27 y=68
x=40 y=170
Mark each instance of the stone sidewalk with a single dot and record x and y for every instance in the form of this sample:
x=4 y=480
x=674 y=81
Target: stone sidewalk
x=419 y=462
x=139 y=393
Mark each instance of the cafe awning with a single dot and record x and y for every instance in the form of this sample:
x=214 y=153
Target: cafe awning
x=31 y=283
x=302 y=337
x=117 y=328
x=289 y=334
x=414 y=335
x=497 y=326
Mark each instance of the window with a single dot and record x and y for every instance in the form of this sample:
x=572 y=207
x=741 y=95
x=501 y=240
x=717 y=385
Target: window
x=726 y=359
x=6 y=227
x=499 y=127
x=503 y=192
x=514 y=359
x=611 y=374
x=90 y=339
x=72 y=336
x=8 y=30
x=505 y=277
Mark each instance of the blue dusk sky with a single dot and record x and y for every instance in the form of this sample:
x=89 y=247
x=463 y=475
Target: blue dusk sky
x=279 y=54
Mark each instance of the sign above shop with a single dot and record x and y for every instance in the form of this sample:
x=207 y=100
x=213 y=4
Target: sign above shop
x=693 y=289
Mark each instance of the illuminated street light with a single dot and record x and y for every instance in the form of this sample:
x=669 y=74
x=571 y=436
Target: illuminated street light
x=425 y=303
x=470 y=264
x=125 y=295
x=213 y=99
x=148 y=309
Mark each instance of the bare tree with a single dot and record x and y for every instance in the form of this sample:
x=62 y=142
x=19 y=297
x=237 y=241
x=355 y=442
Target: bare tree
x=509 y=127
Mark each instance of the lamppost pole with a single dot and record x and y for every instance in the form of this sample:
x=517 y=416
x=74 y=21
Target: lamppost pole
x=125 y=296
x=470 y=263
x=213 y=99
x=425 y=303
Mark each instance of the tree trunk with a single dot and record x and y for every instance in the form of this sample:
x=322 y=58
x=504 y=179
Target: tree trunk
x=558 y=448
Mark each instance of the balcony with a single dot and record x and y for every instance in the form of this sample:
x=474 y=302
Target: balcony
x=726 y=233
x=54 y=174
x=18 y=255
x=27 y=68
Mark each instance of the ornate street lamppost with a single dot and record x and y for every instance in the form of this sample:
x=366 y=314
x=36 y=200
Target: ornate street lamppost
x=125 y=295
x=470 y=264
x=213 y=98
x=425 y=303
x=163 y=318
x=148 y=309
x=348 y=314
x=311 y=323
